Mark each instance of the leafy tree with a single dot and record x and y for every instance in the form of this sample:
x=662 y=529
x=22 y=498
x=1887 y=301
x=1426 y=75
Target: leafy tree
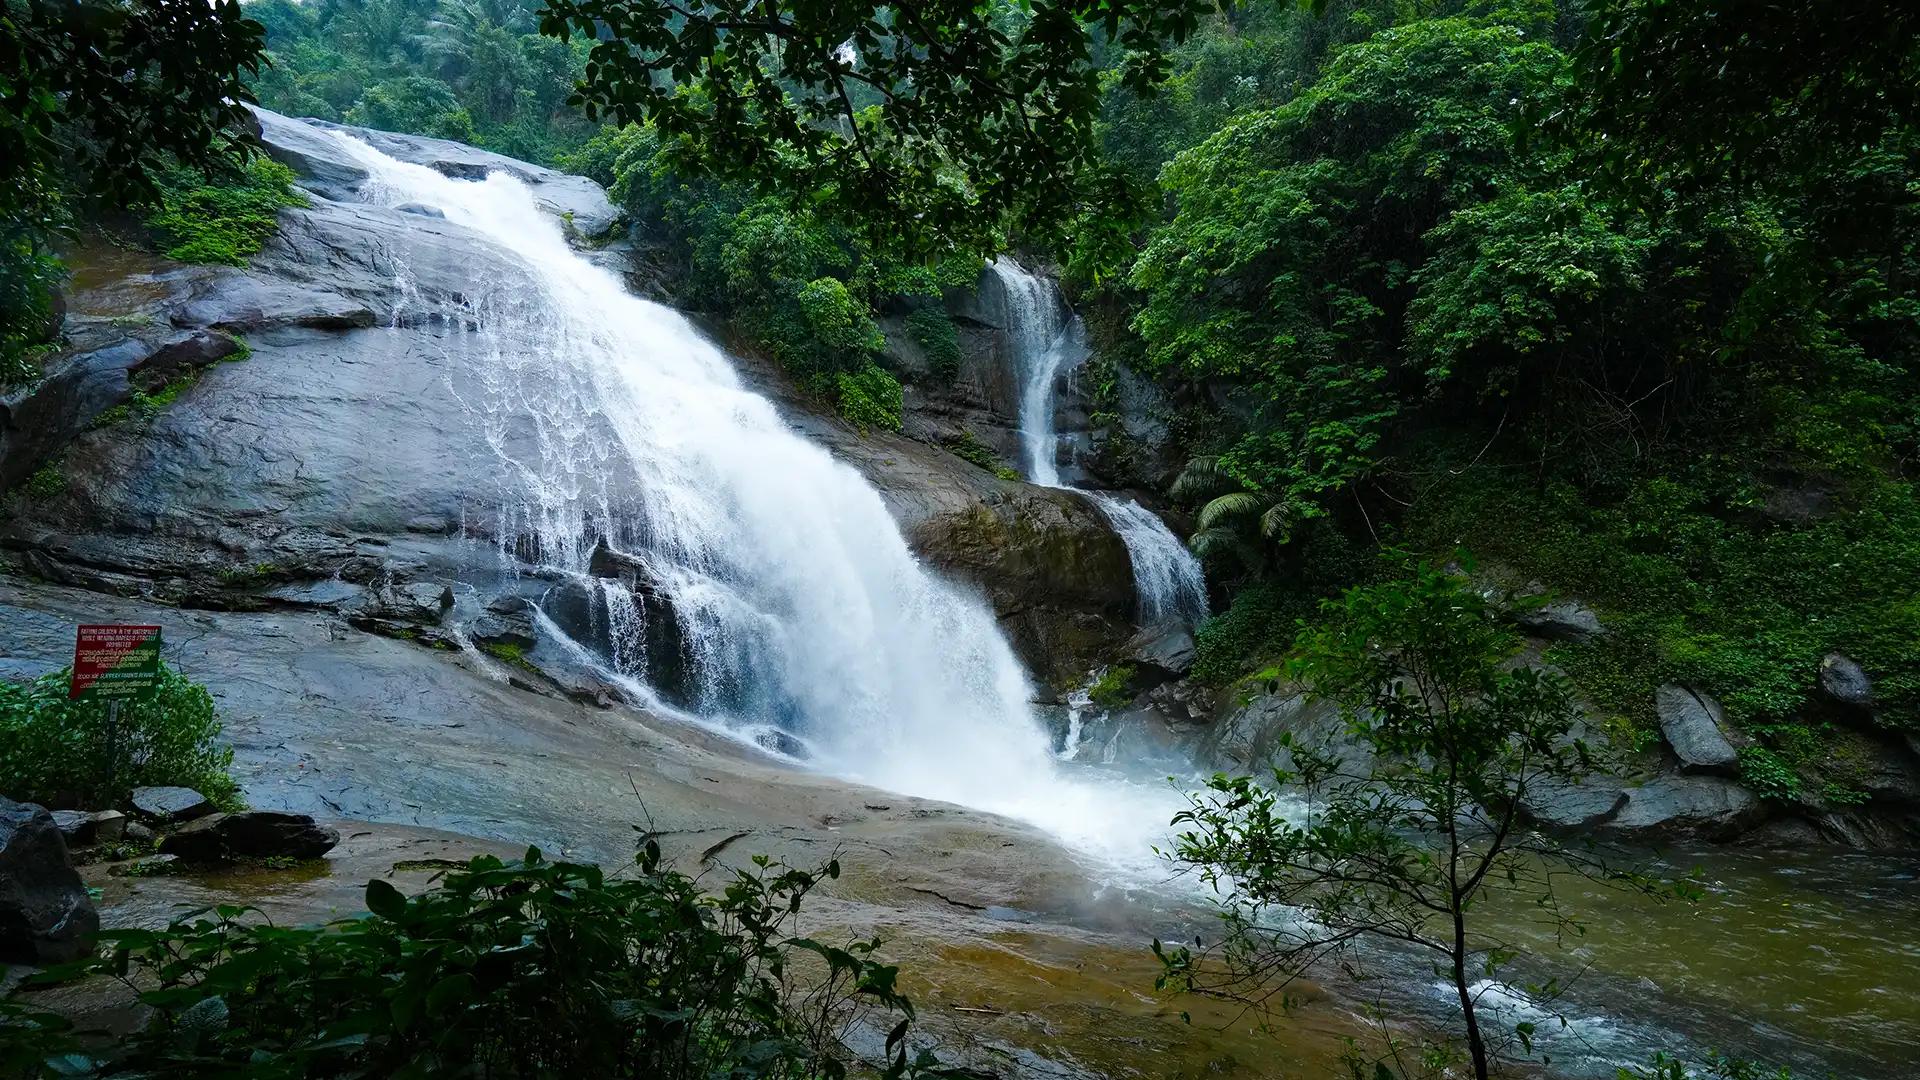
x=94 y=100
x=1699 y=92
x=1409 y=824
x=1283 y=273
x=416 y=104
x=929 y=122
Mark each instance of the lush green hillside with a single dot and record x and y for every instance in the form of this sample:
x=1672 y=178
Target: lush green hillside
x=1404 y=298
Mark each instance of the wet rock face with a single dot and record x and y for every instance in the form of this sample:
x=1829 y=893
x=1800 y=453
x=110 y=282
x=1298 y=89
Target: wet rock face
x=46 y=916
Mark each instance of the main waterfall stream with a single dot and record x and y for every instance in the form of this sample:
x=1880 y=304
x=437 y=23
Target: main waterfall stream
x=798 y=603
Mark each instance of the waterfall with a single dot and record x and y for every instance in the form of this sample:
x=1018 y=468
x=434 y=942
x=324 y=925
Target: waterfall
x=801 y=615
x=1046 y=340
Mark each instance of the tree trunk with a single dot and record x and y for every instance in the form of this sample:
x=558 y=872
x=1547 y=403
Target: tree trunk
x=1475 y=1046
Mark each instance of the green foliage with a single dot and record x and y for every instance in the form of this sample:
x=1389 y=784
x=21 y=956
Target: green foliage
x=1409 y=822
x=1114 y=688
x=469 y=70
x=203 y=220
x=870 y=398
x=59 y=752
x=927 y=129
x=523 y=969
x=934 y=332
x=95 y=105
x=415 y=104
x=1702 y=92
x=1259 y=623
x=820 y=331
x=49 y=481
x=1311 y=216
x=1695 y=591
x=1714 y=1067
x=1762 y=771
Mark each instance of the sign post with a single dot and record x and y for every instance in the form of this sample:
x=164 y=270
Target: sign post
x=113 y=664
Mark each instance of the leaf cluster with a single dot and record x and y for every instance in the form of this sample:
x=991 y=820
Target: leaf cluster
x=532 y=968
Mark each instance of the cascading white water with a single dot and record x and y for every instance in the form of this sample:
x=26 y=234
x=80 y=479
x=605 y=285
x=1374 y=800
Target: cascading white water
x=1046 y=338
x=797 y=601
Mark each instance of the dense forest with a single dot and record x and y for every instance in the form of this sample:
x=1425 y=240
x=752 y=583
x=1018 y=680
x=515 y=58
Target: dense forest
x=1615 y=300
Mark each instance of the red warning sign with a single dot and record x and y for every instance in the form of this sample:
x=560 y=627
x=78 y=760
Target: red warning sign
x=115 y=661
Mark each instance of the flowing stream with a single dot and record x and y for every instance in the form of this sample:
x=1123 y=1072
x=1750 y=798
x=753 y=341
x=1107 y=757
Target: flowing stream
x=804 y=621
x=1048 y=339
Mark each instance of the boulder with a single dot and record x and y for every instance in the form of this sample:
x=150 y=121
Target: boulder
x=251 y=834
x=165 y=805
x=1247 y=738
x=84 y=829
x=46 y=916
x=1696 y=729
x=1706 y=807
x=1182 y=702
x=1845 y=682
x=422 y=600
x=1162 y=653
x=1561 y=620
x=508 y=621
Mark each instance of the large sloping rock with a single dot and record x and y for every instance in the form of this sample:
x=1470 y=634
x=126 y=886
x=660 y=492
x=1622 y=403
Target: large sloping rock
x=45 y=914
x=309 y=148
x=1695 y=728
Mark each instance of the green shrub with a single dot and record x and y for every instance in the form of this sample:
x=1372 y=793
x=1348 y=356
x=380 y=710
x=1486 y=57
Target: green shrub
x=1114 y=688
x=203 y=221
x=870 y=398
x=64 y=753
x=1260 y=624
x=47 y=482
x=971 y=450
x=526 y=969
x=937 y=337
x=1767 y=775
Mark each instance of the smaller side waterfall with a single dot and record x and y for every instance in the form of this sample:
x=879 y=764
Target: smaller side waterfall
x=1047 y=339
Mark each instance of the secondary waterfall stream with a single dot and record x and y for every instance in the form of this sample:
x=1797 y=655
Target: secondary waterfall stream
x=805 y=621
x=1048 y=339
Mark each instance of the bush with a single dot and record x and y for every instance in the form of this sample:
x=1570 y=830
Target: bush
x=63 y=753
x=1114 y=688
x=522 y=969
x=201 y=221
x=870 y=397
x=1257 y=626
x=936 y=336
